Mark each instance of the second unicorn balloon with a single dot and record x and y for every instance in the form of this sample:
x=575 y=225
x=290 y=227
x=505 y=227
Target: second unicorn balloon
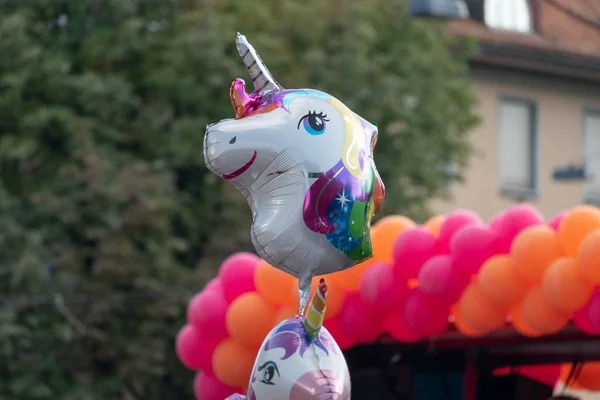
x=304 y=161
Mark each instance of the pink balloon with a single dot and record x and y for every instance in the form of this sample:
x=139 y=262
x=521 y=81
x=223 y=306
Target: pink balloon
x=213 y=284
x=581 y=318
x=207 y=312
x=556 y=220
x=360 y=323
x=395 y=324
x=237 y=275
x=517 y=218
x=453 y=222
x=593 y=307
x=193 y=350
x=440 y=281
x=472 y=246
x=425 y=317
x=208 y=387
x=380 y=289
x=411 y=249
x=341 y=338
x=495 y=222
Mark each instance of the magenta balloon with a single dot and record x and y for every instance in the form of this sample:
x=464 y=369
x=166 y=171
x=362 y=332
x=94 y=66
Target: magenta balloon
x=207 y=312
x=395 y=325
x=193 y=350
x=359 y=321
x=381 y=290
x=556 y=220
x=581 y=318
x=237 y=275
x=516 y=219
x=208 y=387
x=453 y=222
x=593 y=307
x=424 y=316
x=411 y=249
x=472 y=246
x=440 y=281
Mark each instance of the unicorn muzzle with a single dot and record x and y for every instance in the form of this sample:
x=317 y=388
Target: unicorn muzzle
x=319 y=385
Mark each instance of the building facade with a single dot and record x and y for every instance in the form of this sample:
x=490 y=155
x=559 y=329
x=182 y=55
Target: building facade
x=537 y=80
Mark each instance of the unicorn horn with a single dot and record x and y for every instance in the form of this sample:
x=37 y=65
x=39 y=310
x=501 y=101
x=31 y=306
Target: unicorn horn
x=316 y=311
x=261 y=77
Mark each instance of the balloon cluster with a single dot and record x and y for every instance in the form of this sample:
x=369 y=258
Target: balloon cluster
x=453 y=270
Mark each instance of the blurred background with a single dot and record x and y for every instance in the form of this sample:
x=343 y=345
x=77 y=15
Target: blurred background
x=110 y=221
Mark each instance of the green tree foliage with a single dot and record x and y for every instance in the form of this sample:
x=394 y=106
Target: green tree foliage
x=105 y=203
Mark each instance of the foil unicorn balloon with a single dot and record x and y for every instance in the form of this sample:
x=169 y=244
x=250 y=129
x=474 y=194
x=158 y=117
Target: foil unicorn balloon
x=304 y=162
x=299 y=360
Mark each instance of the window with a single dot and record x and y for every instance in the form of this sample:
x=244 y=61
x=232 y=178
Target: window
x=517 y=148
x=591 y=156
x=513 y=15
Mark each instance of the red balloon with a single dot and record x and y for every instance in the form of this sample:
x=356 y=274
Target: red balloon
x=581 y=319
x=207 y=312
x=333 y=326
x=395 y=324
x=193 y=350
x=425 y=317
x=381 y=290
x=453 y=222
x=411 y=249
x=516 y=219
x=360 y=323
x=556 y=220
x=208 y=387
x=440 y=281
x=237 y=275
x=593 y=307
x=472 y=246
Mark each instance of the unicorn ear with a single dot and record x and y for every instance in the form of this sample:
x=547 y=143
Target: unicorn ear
x=261 y=77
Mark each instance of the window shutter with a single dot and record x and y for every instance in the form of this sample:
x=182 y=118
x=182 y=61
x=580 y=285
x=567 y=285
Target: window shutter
x=516 y=146
x=591 y=156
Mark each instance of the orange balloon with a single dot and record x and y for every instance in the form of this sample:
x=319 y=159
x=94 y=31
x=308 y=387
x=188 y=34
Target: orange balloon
x=462 y=326
x=565 y=371
x=479 y=312
x=576 y=225
x=249 y=319
x=434 y=224
x=285 y=313
x=519 y=324
x=385 y=233
x=232 y=363
x=540 y=314
x=589 y=377
x=589 y=257
x=349 y=279
x=565 y=287
x=274 y=285
x=533 y=250
x=499 y=282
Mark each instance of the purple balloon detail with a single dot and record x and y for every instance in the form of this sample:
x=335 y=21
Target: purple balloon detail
x=324 y=191
x=320 y=385
x=292 y=337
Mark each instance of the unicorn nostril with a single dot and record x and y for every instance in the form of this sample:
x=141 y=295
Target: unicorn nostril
x=233 y=139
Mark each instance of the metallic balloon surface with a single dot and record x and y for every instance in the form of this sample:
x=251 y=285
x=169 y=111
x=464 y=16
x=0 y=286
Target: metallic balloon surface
x=304 y=162
x=291 y=366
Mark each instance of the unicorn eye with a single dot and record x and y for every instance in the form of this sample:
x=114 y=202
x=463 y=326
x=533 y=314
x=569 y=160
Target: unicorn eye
x=313 y=123
x=268 y=369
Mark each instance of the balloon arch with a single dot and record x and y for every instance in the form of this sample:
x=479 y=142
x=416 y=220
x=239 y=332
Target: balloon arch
x=454 y=273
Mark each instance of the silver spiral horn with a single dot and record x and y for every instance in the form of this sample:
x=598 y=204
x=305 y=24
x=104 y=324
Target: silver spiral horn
x=263 y=81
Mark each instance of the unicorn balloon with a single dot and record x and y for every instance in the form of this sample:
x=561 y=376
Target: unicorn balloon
x=304 y=162
x=299 y=360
